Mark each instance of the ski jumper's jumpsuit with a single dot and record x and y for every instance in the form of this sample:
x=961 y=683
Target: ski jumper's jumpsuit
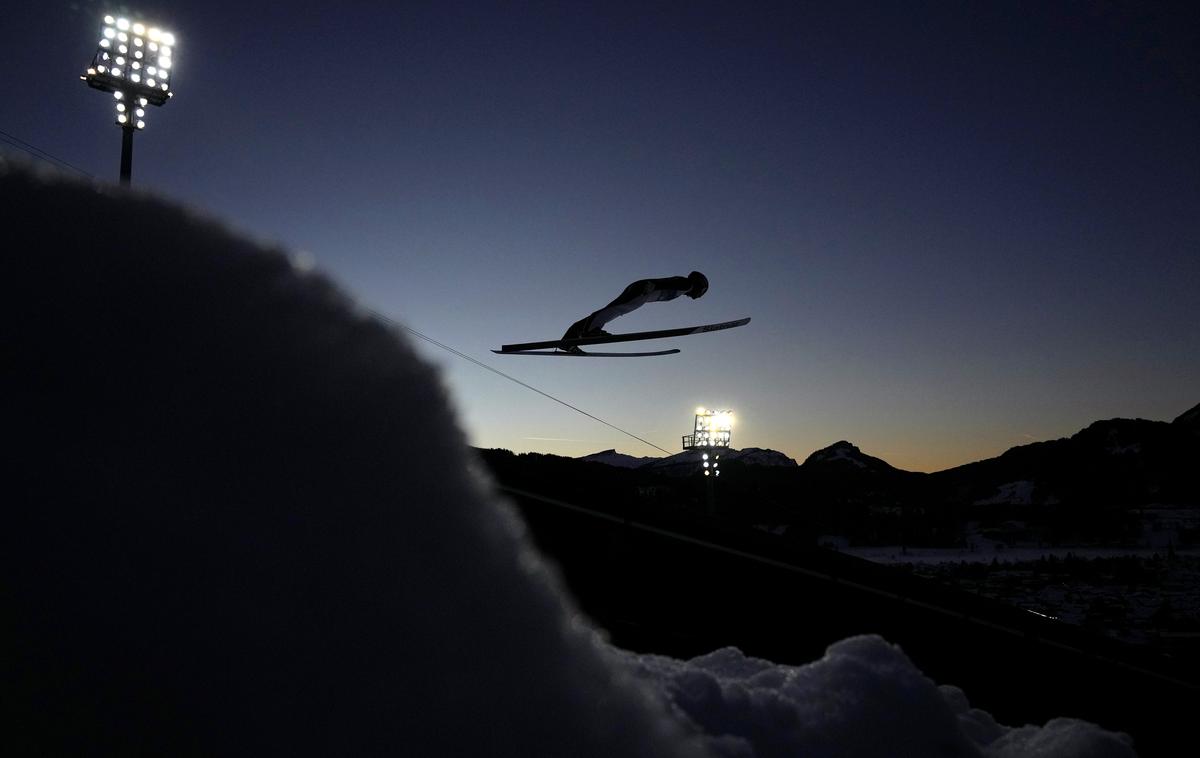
x=635 y=296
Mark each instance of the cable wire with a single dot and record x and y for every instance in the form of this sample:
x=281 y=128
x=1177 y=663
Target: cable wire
x=37 y=152
x=483 y=365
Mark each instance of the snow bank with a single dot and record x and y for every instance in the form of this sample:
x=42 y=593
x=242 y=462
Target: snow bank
x=864 y=698
x=244 y=519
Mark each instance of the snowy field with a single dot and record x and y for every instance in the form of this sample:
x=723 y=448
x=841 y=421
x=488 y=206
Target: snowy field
x=989 y=552
x=1159 y=596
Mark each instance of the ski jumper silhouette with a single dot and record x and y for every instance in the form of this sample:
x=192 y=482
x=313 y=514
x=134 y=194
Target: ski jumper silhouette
x=635 y=296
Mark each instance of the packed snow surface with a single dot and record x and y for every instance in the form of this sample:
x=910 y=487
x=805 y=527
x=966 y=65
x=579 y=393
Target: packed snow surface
x=864 y=698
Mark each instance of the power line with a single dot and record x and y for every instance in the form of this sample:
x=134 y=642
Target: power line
x=481 y=364
x=37 y=152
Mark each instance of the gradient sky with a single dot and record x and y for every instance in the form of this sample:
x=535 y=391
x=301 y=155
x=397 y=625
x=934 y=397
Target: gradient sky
x=957 y=229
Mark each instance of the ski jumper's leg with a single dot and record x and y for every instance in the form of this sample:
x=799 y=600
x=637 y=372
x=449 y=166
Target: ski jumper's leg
x=633 y=297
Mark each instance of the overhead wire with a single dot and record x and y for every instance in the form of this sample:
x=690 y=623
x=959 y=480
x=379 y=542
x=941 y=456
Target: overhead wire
x=38 y=152
x=497 y=371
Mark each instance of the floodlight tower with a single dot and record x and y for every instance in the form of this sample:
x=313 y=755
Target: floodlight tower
x=711 y=435
x=133 y=61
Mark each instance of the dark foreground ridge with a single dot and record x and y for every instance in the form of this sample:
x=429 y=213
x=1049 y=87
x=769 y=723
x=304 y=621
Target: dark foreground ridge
x=675 y=580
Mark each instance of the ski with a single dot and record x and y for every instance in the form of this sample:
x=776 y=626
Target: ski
x=586 y=355
x=629 y=337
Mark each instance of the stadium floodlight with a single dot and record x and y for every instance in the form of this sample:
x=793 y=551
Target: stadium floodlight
x=144 y=80
x=711 y=436
x=713 y=430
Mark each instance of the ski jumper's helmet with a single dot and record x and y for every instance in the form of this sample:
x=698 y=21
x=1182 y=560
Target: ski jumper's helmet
x=699 y=284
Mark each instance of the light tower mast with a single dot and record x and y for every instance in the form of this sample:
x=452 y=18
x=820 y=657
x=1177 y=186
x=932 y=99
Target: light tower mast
x=711 y=435
x=134 y=62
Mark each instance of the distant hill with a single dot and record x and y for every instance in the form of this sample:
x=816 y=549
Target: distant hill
x=1117 y=460
x=1189 y=419
x=1106 y=484
x=845 y=456
x=689 y=461
x=1099 y=485
x=1127 y=461
x=620 y=460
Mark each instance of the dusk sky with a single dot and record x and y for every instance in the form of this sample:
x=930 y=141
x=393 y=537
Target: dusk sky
x=957 y=229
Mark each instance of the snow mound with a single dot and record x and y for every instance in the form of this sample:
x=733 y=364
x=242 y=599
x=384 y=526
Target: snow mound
x=864 y=698
x=244 y=519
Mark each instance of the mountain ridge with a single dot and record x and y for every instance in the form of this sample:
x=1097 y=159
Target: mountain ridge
x=1116 y=459
x=1114 y=482
x=851 y=454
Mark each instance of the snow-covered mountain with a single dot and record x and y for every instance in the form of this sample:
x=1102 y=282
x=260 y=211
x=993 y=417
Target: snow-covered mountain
x=620 y=460
x=757 y=456
x=688 y=461
x=845 y=455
